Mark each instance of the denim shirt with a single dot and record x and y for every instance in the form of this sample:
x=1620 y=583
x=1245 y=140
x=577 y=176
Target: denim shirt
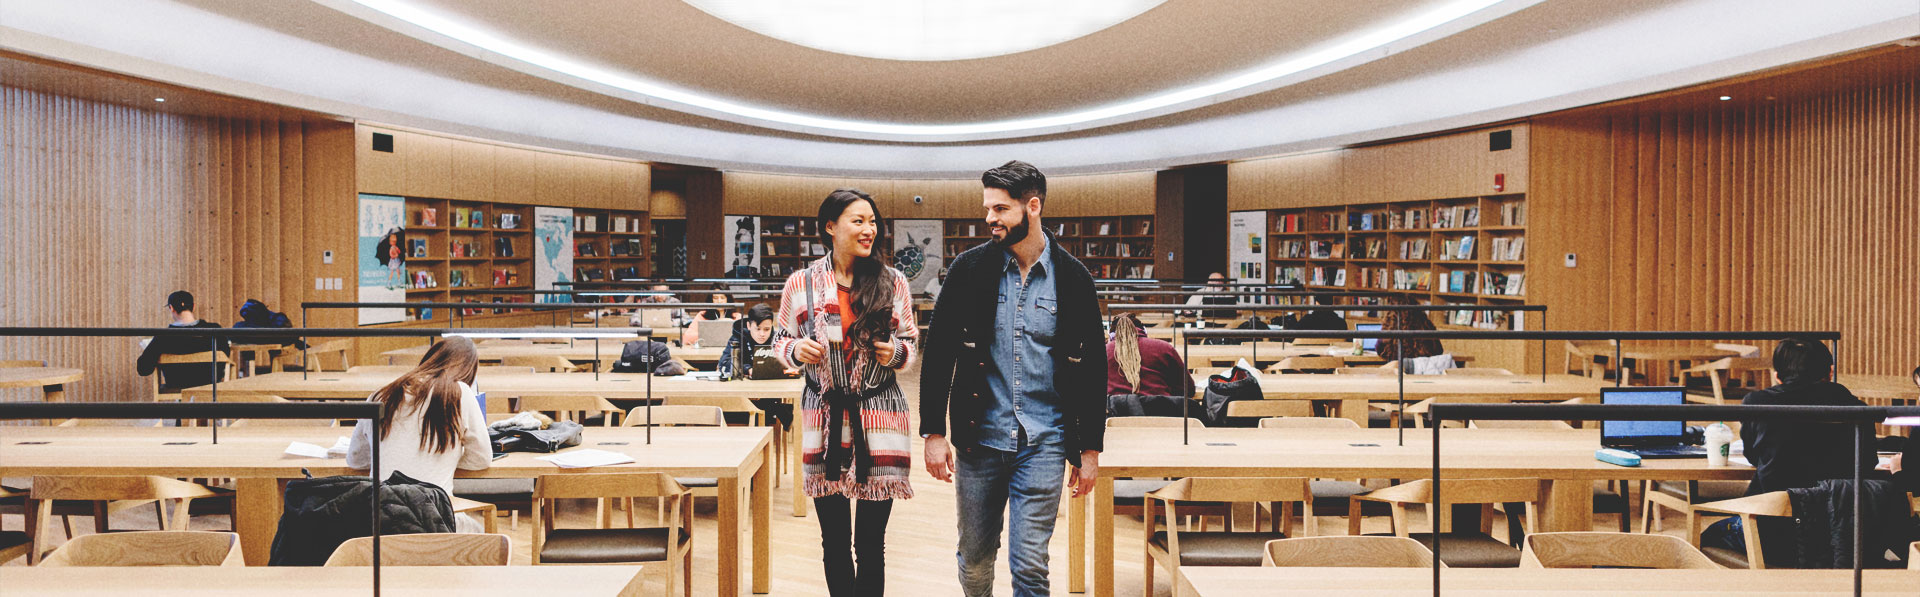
x=1020 y=372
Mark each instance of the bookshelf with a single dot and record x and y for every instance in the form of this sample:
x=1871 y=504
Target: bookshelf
x=1110 y=246
x=458 y=249
x=1462 y=250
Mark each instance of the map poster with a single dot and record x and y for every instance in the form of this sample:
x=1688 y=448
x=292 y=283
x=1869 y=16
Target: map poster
x=382 y=255
x=743 y=258
x=917 y=247
x=1246 y=244
x=553 y=251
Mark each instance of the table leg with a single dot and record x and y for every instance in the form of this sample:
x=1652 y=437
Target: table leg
x=729 y=540
x=1103 y=555
x=762 y=507
x=1354 y=410
x=1076 y=544
x=54 y=393
x=793 y=459
x=256 y=517
x=1568 y=506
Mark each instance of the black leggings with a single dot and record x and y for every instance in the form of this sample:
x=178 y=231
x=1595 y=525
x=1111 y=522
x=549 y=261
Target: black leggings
x=868 y=538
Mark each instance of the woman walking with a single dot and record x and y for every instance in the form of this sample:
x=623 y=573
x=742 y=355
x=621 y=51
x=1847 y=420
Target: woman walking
x=848 y=324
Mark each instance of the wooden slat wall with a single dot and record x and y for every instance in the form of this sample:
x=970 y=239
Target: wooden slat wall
x=108 y=208
x=1802 y=213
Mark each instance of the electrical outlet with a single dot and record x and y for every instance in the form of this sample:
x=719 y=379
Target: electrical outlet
x=319 y=283
x=326 y=257
x=1572 y=260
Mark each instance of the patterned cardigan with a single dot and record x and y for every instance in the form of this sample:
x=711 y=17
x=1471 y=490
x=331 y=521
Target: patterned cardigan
x=884 y=416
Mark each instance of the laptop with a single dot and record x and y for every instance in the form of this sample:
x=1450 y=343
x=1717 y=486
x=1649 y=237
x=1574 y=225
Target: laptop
x=1648 y=439
x=658 y=319
x=765 y=366
x=715 y=332
x=1367 y=344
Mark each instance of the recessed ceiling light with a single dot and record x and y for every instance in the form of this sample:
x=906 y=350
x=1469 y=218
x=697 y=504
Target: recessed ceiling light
x=924 y=29
x=1374 y=42
x=1725 y=97
x=159 y=99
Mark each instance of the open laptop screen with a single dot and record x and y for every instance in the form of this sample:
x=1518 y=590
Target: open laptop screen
x=1367 y=344
x=1629 y=433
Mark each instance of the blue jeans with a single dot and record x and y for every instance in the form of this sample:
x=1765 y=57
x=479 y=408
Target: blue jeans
x=987 y=484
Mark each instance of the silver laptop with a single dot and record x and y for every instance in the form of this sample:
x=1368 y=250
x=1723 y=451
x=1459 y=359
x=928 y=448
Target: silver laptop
x=715 y=333
x=658 y=319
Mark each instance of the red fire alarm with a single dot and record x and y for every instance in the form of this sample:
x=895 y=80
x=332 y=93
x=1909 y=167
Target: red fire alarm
x=1499 y=182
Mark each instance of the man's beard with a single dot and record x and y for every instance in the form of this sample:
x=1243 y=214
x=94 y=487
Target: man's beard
x=1015 y=233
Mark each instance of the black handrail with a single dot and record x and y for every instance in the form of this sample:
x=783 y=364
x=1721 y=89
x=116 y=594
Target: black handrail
x=252 y=410
x=549 y=306
x=306 y=332
x=1862 y=418
x=1261 y=307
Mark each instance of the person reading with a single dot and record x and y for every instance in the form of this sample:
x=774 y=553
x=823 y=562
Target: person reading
x=432 y=425
x=184 y=375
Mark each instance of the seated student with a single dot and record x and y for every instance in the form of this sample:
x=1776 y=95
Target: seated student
x=752 y=333
x=433 y=422
x=1320 y=319
x=1137 y=364
x=180 y=308
x=1905 y=477
x=692 y=334
x=1394 y=349
x=255 y=314
x=1216 y=284
x=1788 y=455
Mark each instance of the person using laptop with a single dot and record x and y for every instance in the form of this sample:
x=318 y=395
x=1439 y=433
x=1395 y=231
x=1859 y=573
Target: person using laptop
x=1788 y=454
x=751 y=334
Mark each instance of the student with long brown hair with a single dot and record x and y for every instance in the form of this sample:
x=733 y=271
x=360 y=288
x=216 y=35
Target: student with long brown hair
x=433 y=422
x=1137 y=364
x=848 y=324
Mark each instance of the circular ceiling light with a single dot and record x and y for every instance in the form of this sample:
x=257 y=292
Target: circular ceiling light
x=924 y=29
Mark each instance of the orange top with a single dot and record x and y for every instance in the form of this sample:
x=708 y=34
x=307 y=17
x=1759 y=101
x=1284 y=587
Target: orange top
x=846 y=317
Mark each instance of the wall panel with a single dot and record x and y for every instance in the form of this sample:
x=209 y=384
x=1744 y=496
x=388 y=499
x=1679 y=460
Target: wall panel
x=1126 y=193
x=108 y=208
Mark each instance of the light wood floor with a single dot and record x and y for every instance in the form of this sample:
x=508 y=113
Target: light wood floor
x=920 y=541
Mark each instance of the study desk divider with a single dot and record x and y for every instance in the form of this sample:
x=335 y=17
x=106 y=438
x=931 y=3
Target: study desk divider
x=1543 y=335
x=215 y=334
x=263 y=410
x=1861 y=417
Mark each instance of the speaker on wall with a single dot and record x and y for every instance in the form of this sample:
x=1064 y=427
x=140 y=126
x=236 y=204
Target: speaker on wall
x=1500 y=140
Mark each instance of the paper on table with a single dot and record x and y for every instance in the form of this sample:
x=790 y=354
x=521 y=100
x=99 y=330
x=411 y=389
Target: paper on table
x=1902 y=421
x=306 y=449
x=587 y=457
x=339 y=449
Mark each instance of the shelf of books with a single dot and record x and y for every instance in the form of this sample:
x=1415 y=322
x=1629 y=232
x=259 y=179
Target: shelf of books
x=1466 y=250
x=458 y=250
x=1110 y=246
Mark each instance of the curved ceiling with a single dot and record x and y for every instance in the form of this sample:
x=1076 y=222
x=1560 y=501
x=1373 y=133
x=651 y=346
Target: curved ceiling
x=1515 y=59
x=924 y=29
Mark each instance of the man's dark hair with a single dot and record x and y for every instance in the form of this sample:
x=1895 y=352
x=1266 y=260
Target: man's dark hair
x=180 y=300
x=759 y=312
x=1019 y=179
x=1795 y=358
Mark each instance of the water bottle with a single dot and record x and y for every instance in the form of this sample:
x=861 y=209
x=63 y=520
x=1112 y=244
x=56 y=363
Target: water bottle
x=1719 y=443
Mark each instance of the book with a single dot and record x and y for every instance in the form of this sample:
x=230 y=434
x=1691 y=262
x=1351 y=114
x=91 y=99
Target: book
x=418 y=249
x=1466 y=247
x=479 y=219
x=509 y=221
x=429 y=217
x=499 y=277
x=459 y=218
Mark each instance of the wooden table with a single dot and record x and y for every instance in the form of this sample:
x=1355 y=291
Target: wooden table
x=618 y=386
x=1658 y=362
x=51 y=380
x=1350 y=393
x=1225 y=355
x=1883 y=390
x=1564 y=459
x=1238 y=581
x=255 y=457
x=317 y=581
x=705 y=357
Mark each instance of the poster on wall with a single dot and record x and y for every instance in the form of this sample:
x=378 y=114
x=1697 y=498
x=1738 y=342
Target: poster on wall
x=1246 y=246
x=383 y=265
x=553 y=251
x=917 y=247
x=744 y=261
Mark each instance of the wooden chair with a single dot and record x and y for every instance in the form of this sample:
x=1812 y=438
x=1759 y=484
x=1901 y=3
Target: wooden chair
x=570 y=407
x=255 y=398
x=150 y=548
x=1127 y=493
x=1591 y=358
x=1174 y=549
x=426 y=549
x=1420 y=409
x=677 y=416
x=203 y=358
x=1681 y=496
x=318 y=354
x=1461 y=549
x=21 y=363
x=737 y=404
x=1269 y=408
x=1347 y=552
x=1611 y=550
x=1308 y=423
x=1749 y=508
x=1478 y=372
x=609 y=546
x=543 y=363
x=251 y=357
x=1744 y=351
x=1720 y=375
x=14 y=544
x=1307 y=364
x=109 y=495
x=1913 y=556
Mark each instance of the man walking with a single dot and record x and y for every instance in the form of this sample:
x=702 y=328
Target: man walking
x=1017 y=361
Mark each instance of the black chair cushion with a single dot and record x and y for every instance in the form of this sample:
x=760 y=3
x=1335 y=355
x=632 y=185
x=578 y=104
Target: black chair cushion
x=1607 y=501
x=606 y=546
x=1726 y=557
x=1330 y=499
x=1217 y=548
x=13 y=538
x=1470 y=549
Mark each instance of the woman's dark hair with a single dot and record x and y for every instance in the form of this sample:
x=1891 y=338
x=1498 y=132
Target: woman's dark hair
x=1406 y=348
x=872 y=282
x=1019 y=179
x=759 y=312
x=1795 y=358
x=435 y=386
